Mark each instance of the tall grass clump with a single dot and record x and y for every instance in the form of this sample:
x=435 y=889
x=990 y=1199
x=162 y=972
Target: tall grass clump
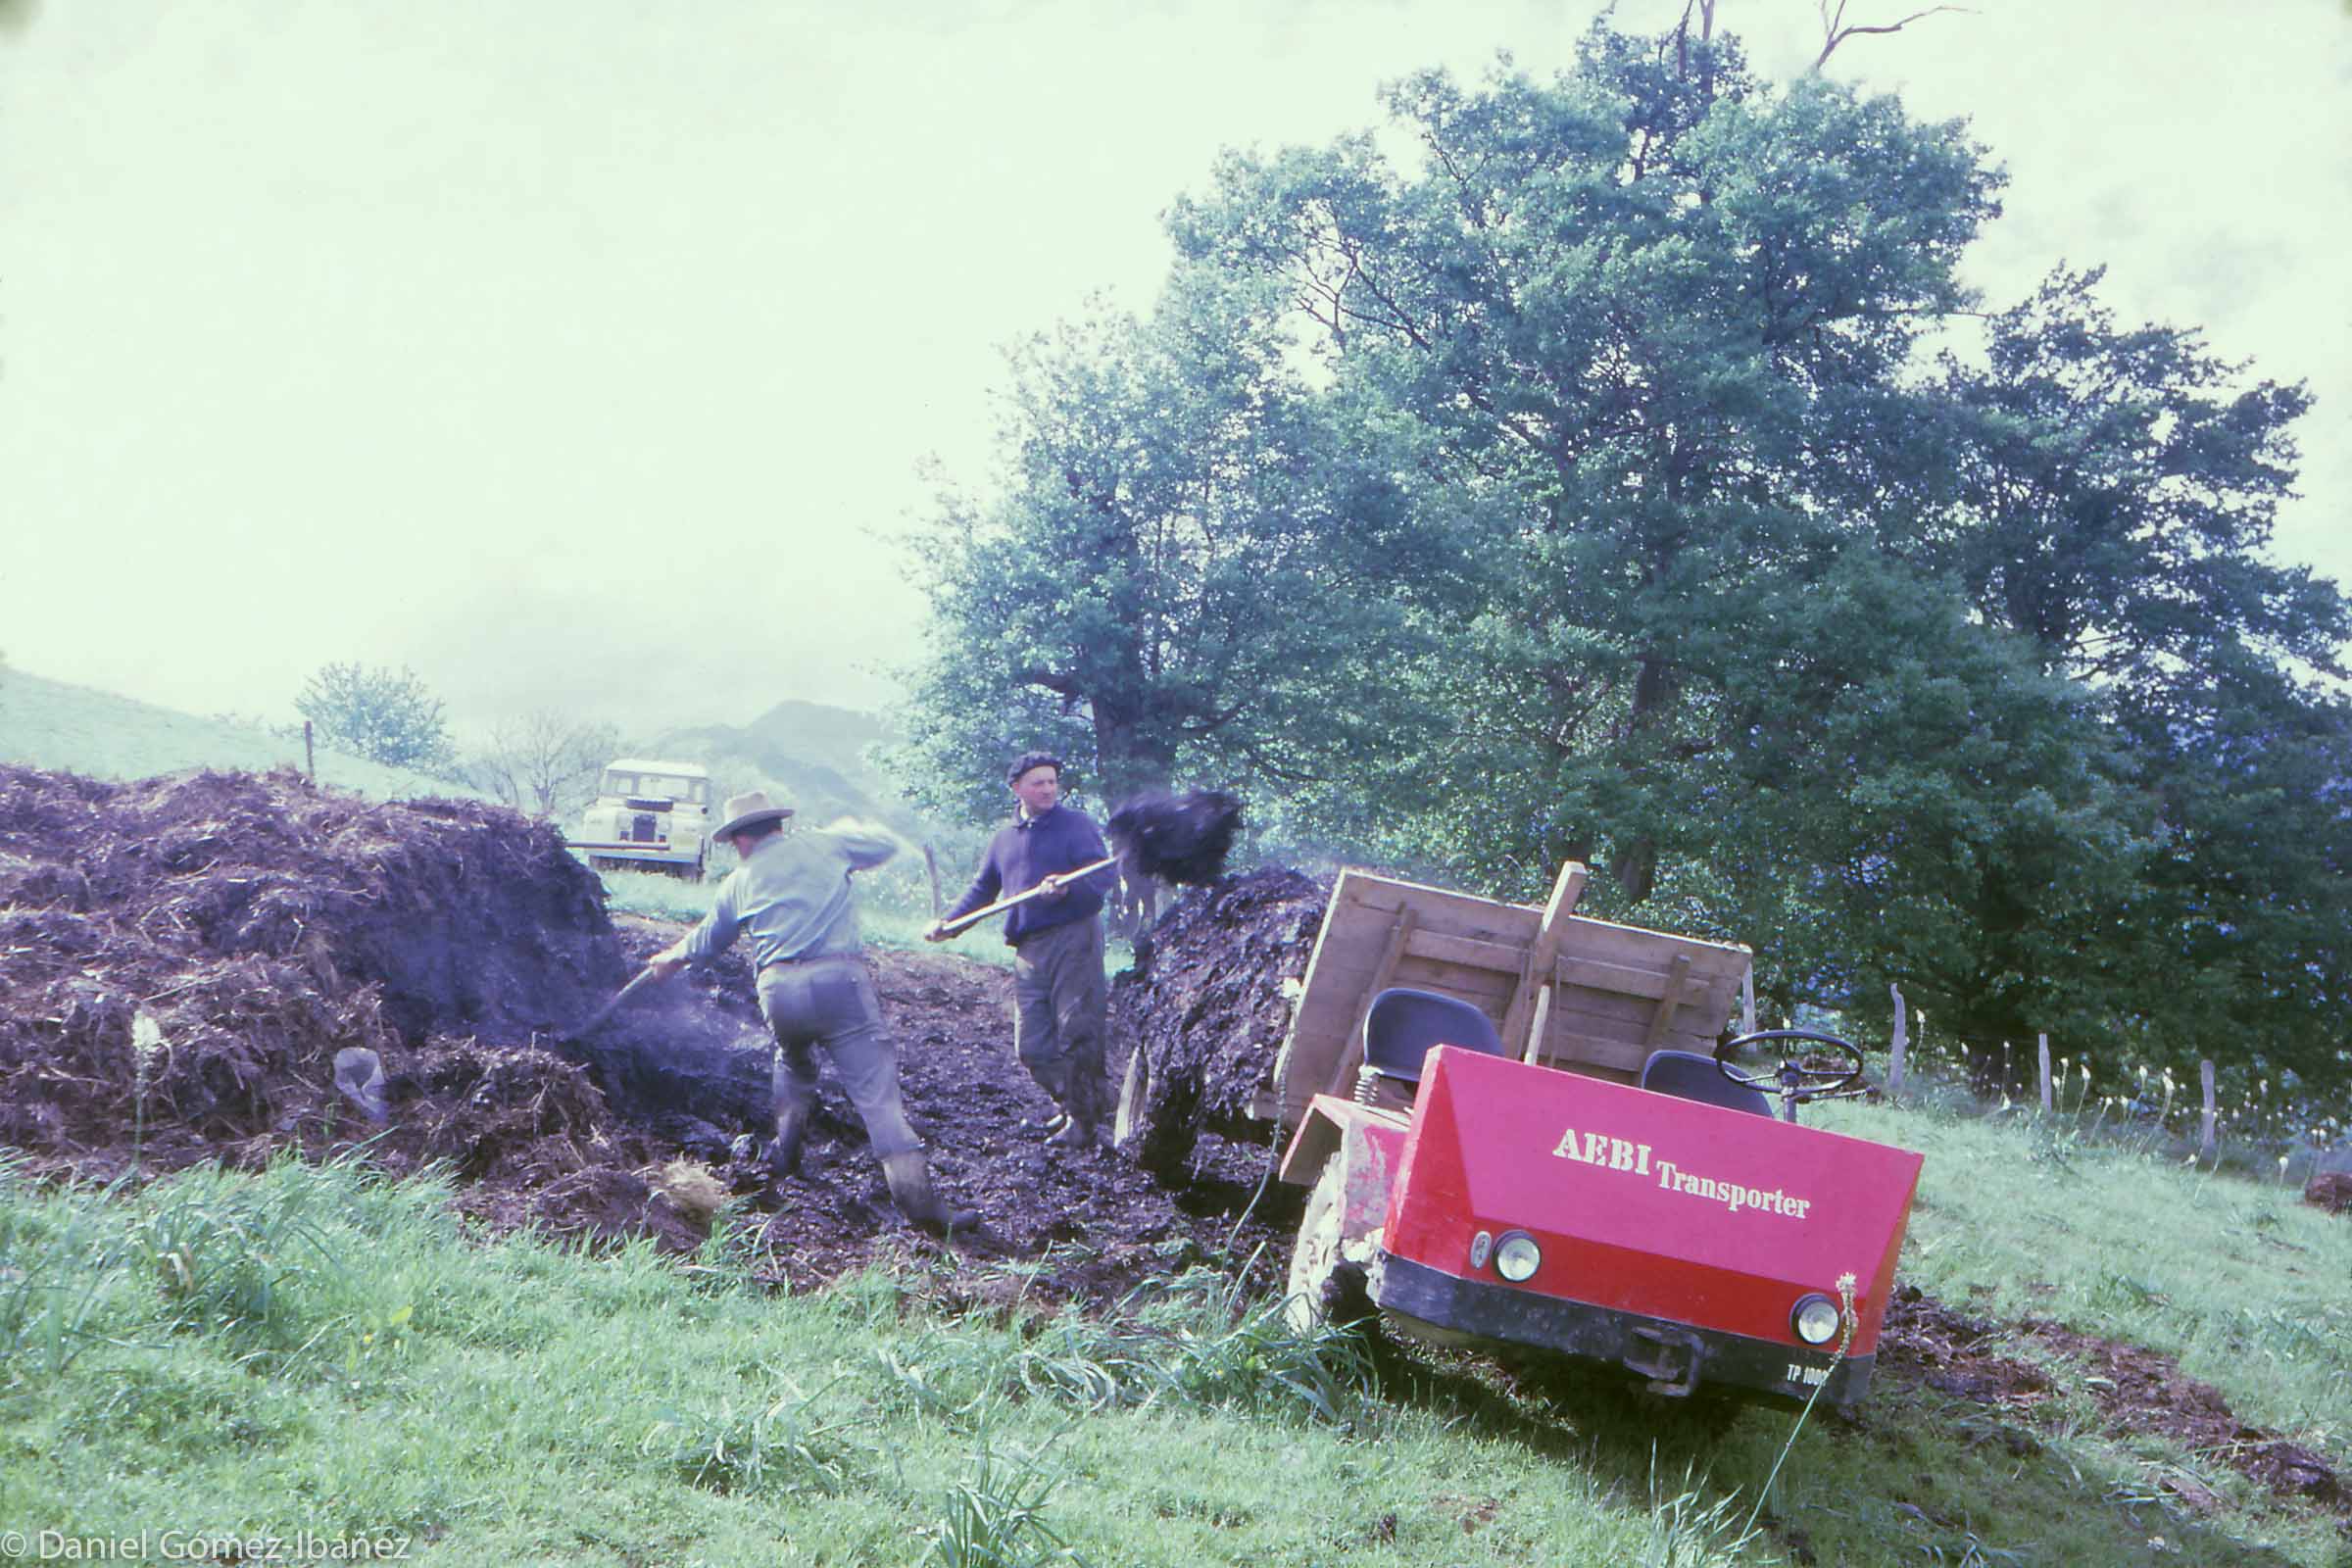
x=1194 y=1341
x=1689 y=1529
x=300 y=1264
x=787 y=1446
x=995 y=1517
x=55 y=1262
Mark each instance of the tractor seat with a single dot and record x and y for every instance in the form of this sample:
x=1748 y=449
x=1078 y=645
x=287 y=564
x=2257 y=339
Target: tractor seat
x=1693 y=1075
x=1402 y=1024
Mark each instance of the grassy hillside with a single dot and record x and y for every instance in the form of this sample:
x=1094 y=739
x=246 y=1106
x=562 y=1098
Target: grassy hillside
x=75 y=730
x=316 y=1348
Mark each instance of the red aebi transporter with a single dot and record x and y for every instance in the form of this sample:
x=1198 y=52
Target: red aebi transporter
x=1673 y=1227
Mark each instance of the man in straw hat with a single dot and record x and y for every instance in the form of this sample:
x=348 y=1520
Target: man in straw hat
x=792 y=893
x=1061 y=995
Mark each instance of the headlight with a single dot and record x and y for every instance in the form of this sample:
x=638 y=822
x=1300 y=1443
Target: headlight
x=1815 y=1320
x=1517 y=1256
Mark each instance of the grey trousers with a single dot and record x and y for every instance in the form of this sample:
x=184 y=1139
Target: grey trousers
x=830 y=1002
x=1060 y=1006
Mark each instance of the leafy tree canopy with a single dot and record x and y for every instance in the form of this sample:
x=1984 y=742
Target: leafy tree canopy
x=1193 y=564
x=1624 y=473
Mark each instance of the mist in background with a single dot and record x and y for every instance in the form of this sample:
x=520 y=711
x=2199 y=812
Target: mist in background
x=591 y=358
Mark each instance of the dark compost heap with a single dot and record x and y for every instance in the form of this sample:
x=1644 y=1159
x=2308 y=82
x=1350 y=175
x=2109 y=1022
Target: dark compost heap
x=259 y=926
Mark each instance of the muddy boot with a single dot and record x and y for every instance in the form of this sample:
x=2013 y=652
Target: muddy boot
x=794 y=1096
x=783 y=1153
x=910 y=1178
x=1047 y=1125
x=1076 y=1134
x=1086 y=1104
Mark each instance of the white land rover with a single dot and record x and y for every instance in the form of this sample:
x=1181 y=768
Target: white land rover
x=648 y=815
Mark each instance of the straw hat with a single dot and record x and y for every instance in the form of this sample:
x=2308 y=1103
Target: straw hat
x=748 y=810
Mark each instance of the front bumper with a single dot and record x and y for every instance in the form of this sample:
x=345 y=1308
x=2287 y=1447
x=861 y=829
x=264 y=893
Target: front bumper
x=1674 y=1358
x=636 y=850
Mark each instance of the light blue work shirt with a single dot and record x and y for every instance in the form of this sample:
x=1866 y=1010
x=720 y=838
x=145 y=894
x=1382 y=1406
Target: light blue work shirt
x=793 y=895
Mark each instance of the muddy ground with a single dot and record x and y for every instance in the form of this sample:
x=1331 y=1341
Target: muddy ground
x=1999 y=1367
x=260 y=927
x=182 y=960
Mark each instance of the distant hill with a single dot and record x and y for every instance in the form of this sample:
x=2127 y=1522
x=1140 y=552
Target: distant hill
x=815 y=752
x=56 y=727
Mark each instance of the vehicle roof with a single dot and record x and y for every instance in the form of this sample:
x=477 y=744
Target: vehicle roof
x=640 y=764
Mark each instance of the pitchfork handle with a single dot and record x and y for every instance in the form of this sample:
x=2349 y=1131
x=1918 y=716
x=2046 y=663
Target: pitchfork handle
x=949 y=928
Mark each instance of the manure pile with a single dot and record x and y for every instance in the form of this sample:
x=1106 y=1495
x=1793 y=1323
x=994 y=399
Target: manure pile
x=1206 y=1009
x=182 y=958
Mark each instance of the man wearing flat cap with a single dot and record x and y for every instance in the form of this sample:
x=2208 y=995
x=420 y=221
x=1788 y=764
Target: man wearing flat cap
x=791 y=893
x=1061 y=995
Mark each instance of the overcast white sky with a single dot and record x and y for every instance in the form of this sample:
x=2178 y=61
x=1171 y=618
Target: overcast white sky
x=576 y=355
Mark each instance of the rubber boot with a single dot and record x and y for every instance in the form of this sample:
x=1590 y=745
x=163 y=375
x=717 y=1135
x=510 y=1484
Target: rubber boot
x=783 y=1153
x=910 y=1178
x=793 y=1097
x=1076 y=1134
x=1047 y=1125
x=1085 y=1104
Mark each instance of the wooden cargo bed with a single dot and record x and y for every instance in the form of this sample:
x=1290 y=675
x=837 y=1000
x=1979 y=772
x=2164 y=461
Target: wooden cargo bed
x=1561 y=989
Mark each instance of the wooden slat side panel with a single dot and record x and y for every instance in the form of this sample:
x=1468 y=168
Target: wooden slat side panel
x=1609 y=1013
x=1350 y=979
x=1718 y=1007
x=1319 y=1023
x=1468 y=952
x=1638 y=949
x=1483 y=987
x=1489 y=991
x=1586 y=1017
x=1444 y=964
x=1592 y=1015
x=1455 y=914
x=1341 y=1080
x=1678 y=987
x=1564 y=1047
x=1626 y=981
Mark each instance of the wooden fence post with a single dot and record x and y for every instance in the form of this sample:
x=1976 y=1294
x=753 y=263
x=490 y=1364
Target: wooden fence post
x=2208 y=1143
x=1748 y=1002
x=1899 y=1044
x=931 y=864
x=2043 y=1042
x=309 y=756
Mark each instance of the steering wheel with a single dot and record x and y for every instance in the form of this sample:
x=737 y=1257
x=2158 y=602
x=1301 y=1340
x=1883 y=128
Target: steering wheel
x=1795 y=1080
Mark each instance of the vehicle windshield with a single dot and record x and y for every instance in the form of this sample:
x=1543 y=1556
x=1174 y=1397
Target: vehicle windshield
x=658 y=787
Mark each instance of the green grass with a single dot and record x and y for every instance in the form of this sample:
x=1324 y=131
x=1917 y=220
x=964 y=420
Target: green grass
x=75 y=730
x=2020 y=1217
x=331 y=1353
x=319 y=1349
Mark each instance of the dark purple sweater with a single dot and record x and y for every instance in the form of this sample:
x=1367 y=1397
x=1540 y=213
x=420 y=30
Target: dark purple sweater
x=1028 y=852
